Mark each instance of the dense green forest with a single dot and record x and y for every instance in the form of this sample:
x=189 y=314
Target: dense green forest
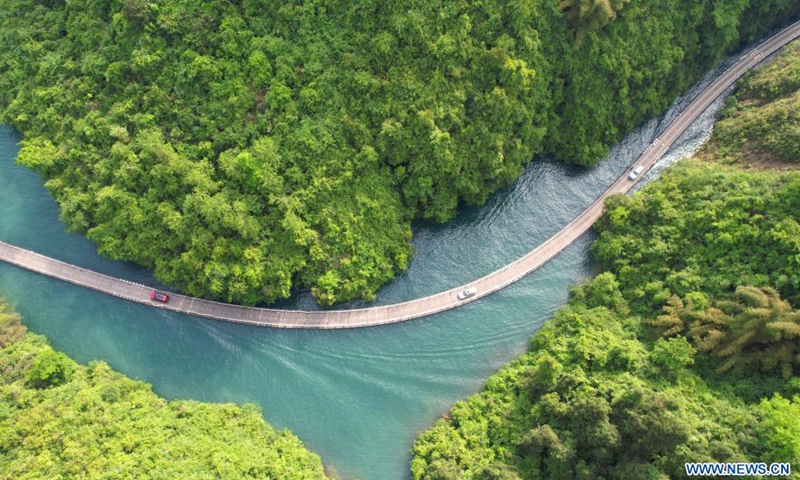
x=244 y=148
x=761 y=123
x=59 y=419
x=685 y=349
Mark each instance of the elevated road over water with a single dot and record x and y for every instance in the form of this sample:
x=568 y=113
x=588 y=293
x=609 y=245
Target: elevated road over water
x=421 y=307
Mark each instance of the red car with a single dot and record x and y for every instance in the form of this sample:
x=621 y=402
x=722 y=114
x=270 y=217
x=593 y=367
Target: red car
x=159 y=297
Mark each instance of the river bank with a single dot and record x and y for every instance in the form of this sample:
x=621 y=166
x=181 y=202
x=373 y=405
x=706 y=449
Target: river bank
x=356 y=398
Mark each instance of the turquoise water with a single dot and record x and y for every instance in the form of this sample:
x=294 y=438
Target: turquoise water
x=357 y=397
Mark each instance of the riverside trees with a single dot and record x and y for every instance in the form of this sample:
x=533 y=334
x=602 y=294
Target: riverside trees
x=242 y=149
x=761 y=120
x=601 y=393
x=59 y=419
x=684 y=350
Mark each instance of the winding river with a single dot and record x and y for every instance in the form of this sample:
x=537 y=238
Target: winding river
x=357 y=397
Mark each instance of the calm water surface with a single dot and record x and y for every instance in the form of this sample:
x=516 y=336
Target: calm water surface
x=357 y=397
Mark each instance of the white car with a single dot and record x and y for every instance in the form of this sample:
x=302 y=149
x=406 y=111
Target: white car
x=467 y=293
x=635 y=173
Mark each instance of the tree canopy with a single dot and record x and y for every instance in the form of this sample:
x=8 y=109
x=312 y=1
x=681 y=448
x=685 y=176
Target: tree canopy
x=592 y=399
x=761 y=121
x=243 y=149
x=685 y=349
x=59 y=419
x=681 y=351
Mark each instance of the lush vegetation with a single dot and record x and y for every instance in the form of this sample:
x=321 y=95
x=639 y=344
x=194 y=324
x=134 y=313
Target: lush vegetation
x=761 y=123
x=704 y=229
x=240 y=149
x=623 y=382
x=683 y=350
x=59 y=419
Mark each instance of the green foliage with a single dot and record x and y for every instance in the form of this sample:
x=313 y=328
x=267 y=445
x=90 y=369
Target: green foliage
x=589 y=400
x=761 y=124
x=703 y=228
x=498 y=471
x=62 y=420
x=778 y=429
x=602 y=291
x=587 y=15
x=243 y=149
x=754 y=327
x=700 y=255
x=50 y=369
x=672 y=355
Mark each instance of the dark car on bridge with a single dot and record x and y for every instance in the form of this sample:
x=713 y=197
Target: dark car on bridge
x=159 y=297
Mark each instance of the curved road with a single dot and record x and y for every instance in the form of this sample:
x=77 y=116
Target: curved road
x=421 y=307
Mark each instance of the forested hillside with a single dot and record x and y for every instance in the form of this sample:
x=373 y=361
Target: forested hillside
x=684 y=350
x=761 y=123
x=240 y=149
x=59 y=419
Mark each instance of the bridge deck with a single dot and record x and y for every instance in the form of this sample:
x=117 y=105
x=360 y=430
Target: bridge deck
x=423 y=306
